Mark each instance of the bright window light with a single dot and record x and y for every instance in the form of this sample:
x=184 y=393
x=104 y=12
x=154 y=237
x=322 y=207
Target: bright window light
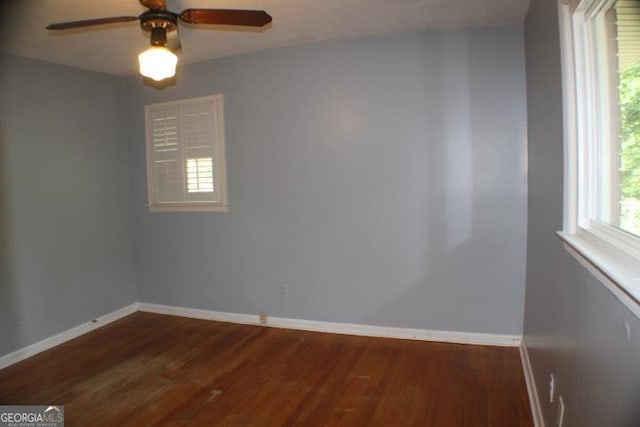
x=200 y=175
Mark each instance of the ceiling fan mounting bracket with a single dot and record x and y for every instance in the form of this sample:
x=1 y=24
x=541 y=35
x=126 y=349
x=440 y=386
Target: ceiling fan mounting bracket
x=159 y=19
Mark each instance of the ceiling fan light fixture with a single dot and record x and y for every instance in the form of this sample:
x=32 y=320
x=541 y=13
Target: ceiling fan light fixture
x=158 y=63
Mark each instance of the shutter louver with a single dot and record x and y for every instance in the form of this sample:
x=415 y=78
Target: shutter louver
x=166 y=156
x=628 y=28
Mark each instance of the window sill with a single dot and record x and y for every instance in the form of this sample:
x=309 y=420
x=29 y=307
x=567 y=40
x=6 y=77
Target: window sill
x=614 y=268
x=187 y=207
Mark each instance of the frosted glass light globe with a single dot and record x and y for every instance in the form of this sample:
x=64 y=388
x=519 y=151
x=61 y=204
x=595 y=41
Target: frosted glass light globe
x=158 y=63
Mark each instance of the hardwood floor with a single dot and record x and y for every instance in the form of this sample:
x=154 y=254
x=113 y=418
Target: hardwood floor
x=155 y=370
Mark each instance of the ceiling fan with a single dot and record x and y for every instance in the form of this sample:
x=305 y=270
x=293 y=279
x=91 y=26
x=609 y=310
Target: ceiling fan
x=159 y=62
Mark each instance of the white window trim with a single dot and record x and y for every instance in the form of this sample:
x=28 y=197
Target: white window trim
x=610 y=254
x=220 y=206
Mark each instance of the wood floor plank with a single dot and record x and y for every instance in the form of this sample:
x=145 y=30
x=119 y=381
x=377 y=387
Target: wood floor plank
x=154 y=370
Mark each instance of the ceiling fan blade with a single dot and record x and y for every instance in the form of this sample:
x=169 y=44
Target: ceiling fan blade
x=155 y=4
x=250 y=18
x=90 y=22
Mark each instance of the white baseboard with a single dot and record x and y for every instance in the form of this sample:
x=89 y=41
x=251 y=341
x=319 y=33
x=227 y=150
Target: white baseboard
x=69 y=334
x=276 y=322
x=339 y=328
x=532 y=390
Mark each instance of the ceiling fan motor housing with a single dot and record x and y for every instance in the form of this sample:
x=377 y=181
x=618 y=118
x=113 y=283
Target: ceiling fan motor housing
x=158 y=19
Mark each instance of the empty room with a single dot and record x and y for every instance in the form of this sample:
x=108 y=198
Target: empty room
x=320 y=213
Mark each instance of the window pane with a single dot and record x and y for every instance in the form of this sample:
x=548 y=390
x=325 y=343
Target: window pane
x=200 y=175
x=628 y=49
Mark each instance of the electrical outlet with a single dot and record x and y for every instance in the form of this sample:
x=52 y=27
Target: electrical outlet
x=560 y=414
x=263 y=317
x=552 y=388
x=284 y=290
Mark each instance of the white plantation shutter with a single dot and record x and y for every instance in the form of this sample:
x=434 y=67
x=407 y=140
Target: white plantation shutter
x=199 y=151
x=628 y=25
x=185 y=154
x=166 y=155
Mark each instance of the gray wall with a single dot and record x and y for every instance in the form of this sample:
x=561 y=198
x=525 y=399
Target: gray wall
x=573 y=325
x=381 y=179
x=65 y=249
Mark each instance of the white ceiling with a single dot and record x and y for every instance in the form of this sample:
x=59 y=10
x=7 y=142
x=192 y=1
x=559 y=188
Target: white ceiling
x=113 y=48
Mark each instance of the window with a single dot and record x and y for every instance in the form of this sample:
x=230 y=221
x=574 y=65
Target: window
x=601 y=81
x=185 y=155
